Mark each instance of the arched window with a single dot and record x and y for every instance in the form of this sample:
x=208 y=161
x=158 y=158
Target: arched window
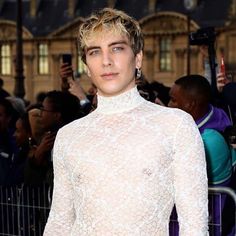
x=165 y=54
x=5 y=59
x=43 y=64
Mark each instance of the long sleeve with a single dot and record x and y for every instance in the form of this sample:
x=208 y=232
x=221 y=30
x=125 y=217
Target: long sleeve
x=61 y=217
x=190 y=180
x=219 y=163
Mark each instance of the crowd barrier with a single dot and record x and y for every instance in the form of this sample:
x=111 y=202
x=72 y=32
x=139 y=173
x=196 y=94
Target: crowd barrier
x=222 y=213
x=24 y=211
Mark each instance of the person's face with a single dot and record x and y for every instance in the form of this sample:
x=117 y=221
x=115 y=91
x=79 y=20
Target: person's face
x=21 y=134
x=49 y=117
x=178 y=99
x=111 y=63
x=4 y=119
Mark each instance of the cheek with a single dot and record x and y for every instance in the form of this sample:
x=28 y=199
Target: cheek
x=187 y=108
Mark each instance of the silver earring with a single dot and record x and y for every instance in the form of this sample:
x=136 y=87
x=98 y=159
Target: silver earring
x=139 y=73
x=30 y=141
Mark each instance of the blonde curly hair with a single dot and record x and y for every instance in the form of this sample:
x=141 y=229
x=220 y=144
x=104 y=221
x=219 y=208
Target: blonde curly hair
x=113 y=20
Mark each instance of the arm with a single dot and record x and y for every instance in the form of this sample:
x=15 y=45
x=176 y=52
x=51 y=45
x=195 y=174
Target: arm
x=62 y=216
x=68 y=84
x=221 y=81
x=73 y=86
x=45 y=147
x=190 y=180
x=207 y=70
x=218 y=157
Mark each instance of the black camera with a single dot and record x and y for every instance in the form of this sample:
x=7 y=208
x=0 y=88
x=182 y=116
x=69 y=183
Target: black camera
x=203 y=36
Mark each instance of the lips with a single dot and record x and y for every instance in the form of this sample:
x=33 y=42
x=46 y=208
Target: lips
x=110 y=75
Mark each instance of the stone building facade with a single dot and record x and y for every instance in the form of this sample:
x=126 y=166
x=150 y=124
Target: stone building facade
x=50 y=29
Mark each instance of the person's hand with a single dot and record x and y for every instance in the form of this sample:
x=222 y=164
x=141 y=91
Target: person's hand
x=204 y=51
x=66 y=70
x=44 y=147
x=233 y=146
x=221 y=81
x=66 y=73
x=159 y=102
x=76 y=89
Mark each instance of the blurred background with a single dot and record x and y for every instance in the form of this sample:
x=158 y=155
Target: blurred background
x=34 y=34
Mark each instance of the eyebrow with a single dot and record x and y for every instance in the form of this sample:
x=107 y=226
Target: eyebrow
x=109 y=45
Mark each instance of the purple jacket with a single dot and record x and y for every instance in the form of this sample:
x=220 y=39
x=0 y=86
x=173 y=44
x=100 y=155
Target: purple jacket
x=215 y=119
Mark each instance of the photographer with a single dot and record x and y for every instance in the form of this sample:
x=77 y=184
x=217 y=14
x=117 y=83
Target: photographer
x=205 y=38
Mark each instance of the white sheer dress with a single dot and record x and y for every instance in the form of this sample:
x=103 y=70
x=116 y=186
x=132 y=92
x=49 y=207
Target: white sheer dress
x=119 y=171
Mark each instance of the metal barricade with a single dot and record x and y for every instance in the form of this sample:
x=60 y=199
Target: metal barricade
x=24 y=210
x=222 y=213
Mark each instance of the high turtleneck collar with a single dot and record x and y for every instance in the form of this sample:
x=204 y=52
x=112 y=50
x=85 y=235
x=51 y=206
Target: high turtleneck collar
x=120 y=103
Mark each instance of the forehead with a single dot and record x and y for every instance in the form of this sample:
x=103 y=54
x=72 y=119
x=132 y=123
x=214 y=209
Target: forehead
x=106 y=36
x=178 y=93
x=175 y=90
x=47 y=102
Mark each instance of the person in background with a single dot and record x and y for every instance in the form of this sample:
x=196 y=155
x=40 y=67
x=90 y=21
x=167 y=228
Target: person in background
x=227 y=90
x=25 y=143
x=3 y=92
x=58 y=109
x=192 y=94
x=120 y=169
x=8 y=147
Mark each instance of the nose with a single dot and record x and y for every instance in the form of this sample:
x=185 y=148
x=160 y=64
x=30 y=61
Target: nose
x=106 y=59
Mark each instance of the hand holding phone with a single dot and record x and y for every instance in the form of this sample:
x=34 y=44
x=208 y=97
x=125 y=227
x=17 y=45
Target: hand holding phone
x=67 y=58
x=222 y=65
x=66 y=69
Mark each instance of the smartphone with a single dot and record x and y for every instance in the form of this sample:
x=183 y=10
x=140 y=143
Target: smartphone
x=222 y=65
x=67 y=58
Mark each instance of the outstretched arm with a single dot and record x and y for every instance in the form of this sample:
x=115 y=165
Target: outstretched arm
x=190 y=180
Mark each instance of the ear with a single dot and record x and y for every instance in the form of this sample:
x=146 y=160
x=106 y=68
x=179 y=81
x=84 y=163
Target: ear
x=88 y=72
x=139 y=59
x=191 y=106
x=57 y=115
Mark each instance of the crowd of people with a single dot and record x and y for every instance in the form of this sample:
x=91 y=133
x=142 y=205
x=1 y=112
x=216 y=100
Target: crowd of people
x=28 y=133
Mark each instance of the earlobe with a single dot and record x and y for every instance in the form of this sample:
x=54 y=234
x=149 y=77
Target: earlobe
x=139 y=58
x=58 y=115
x=191 y=106
x=88 y=72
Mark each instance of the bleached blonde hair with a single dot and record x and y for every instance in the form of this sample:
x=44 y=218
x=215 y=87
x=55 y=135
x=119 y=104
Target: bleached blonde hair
x=113 y=20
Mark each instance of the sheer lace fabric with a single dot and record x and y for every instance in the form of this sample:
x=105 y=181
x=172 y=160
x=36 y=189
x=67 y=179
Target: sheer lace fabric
x=119 y=170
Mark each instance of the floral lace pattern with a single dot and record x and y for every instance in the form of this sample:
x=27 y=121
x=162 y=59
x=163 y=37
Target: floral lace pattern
x=119 y=171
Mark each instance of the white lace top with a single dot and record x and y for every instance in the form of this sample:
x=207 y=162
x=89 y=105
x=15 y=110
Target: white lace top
x=119 y=171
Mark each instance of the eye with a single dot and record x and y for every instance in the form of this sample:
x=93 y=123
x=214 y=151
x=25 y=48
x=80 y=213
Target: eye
x=117 y=49
x=93 y=52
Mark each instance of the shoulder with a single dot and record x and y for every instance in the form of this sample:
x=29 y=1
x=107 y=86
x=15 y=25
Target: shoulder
x=166 y=111
x=170 y=115
x=73 y=128
x=212 y=139
x=212 y=134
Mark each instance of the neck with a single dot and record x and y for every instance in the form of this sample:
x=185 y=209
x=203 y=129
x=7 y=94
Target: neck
x=120 y=103
x=199 y=112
